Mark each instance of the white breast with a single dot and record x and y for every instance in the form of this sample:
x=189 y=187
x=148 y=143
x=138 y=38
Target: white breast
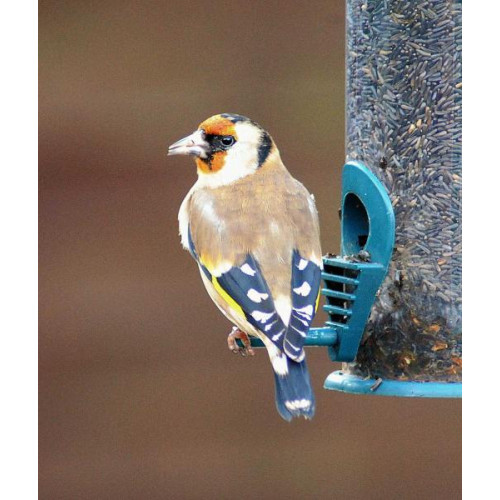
x=184 y=217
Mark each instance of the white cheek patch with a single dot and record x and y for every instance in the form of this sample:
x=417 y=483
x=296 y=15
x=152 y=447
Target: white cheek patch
x=242 y=157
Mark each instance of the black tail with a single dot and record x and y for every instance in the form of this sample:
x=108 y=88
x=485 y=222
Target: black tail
x=294 y=394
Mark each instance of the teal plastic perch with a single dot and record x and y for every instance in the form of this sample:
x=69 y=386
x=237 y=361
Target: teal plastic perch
x=322 y=337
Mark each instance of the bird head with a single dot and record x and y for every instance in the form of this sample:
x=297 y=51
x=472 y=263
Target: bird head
x=226 y=147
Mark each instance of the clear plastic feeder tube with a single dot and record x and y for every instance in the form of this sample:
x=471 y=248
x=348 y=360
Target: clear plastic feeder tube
x=403 y=121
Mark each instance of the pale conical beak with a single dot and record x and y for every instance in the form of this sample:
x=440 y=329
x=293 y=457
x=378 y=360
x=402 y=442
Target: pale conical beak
x=194 y=144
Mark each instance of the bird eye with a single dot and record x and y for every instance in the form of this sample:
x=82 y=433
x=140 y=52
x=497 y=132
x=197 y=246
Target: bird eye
x=227 y=140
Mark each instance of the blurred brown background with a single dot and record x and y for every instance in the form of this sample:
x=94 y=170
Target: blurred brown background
x=139 y=396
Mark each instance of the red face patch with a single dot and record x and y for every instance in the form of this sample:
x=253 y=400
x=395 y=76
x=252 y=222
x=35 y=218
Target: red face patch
x=216 y=163
x=216 y=125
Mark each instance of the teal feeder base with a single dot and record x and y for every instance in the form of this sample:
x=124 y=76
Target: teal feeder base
x=344 y=382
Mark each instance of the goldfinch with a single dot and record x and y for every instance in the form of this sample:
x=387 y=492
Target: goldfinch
x=254 y=232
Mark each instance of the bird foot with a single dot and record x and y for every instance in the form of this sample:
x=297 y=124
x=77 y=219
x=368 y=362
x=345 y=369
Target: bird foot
x=237 y=334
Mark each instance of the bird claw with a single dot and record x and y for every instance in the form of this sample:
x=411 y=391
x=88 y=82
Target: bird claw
x=237 y=334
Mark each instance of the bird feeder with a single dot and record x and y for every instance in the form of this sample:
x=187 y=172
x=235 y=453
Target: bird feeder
x=393 y=295
x=403 y=123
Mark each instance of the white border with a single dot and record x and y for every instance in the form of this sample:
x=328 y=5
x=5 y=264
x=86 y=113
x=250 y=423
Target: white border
x=18 y=209
x=481 y=216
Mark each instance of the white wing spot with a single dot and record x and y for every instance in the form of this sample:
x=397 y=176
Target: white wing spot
x=248 y=270
x=302 y=264
x=304 y=289
x=300 y=332
x=261 y=316
x=221 y=269
x=306 y=311
x=256 y=296
x=297 y=349
x=278 y=335
x=303 y=321
x=298 y=404
x=270 y=325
